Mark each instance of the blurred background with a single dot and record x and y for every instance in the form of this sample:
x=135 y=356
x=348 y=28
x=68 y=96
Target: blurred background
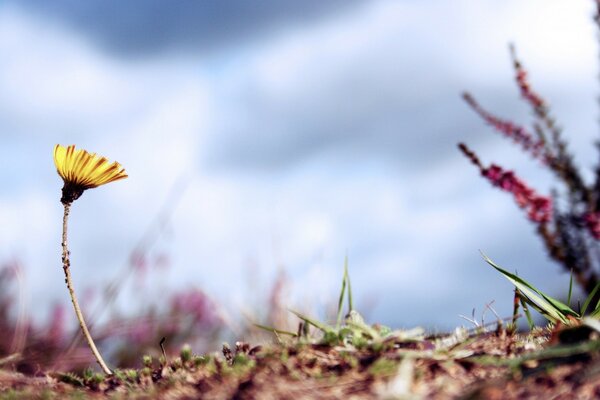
x=265 y=141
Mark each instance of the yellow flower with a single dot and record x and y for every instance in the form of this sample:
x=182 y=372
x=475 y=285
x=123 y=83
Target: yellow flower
x=81 y=170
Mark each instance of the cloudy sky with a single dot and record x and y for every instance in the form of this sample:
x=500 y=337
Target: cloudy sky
x=285 y=135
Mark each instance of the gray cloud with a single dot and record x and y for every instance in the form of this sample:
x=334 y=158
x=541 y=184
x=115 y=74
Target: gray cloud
x=139 y=27
x=276 y=136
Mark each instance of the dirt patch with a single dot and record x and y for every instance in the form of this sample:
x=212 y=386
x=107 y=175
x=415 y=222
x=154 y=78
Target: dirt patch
x=492 y=365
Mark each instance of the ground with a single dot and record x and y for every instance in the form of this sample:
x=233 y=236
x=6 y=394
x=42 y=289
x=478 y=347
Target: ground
x=558 y=362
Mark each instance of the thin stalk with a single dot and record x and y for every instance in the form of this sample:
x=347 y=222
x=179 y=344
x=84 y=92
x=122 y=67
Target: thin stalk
x=341 y=303
x=515 y=315
x=68 y=281
x=350 y=302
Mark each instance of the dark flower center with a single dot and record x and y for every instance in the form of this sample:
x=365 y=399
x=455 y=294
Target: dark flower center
x=71 y=192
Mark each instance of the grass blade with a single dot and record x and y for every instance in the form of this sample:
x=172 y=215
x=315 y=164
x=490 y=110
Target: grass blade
x=319 y=325
x=516 y=302
x=596 y=312
x=350 y=303
x=570 y=289
x=342 y=293
x=526 y=310
x=275 y=330
x=587 y=301
x=546 y=305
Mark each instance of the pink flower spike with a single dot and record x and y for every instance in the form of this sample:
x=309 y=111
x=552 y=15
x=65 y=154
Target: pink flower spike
x=538 y=208
x=518 y=134
x=521 y=77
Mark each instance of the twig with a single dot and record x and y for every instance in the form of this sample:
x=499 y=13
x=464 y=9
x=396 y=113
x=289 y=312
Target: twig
x=162 y=347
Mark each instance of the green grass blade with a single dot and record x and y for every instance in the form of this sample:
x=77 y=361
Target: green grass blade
x=587 y=301
x=596 y=309
x=319 y=325
x=526 y=310
x=549 y=353
x=275 y=330
x=350 y=302
x=342 y=293
x=596 y=312
x=570 y=289
x=548 y=306
x=516 y=302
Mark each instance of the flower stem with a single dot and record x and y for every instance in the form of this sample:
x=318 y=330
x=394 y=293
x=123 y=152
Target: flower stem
x=68 y=281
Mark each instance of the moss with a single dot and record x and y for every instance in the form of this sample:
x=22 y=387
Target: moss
x=147 y=361
x=186 y=353
x=383 y=367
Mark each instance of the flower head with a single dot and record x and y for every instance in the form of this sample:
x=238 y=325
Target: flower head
x=81 y=170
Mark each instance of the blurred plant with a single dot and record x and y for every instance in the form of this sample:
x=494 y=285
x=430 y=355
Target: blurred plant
x=178 y=316
x=190 y=317
x=350 y=330
x=80 y=171
x=568 y=222
x=22 y=340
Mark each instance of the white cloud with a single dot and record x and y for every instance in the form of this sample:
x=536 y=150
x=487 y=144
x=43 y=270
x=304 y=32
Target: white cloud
x=51 y=75
x=411 y=226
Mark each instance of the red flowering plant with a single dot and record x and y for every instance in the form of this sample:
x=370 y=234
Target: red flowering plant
x=571 y=232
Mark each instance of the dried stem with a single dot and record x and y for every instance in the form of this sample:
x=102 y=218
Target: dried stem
x=68 y=281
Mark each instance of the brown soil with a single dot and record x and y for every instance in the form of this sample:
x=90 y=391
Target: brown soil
x=492 y=365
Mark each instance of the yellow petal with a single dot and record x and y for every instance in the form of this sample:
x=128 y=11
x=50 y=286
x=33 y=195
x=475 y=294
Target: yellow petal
x=85 y=170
